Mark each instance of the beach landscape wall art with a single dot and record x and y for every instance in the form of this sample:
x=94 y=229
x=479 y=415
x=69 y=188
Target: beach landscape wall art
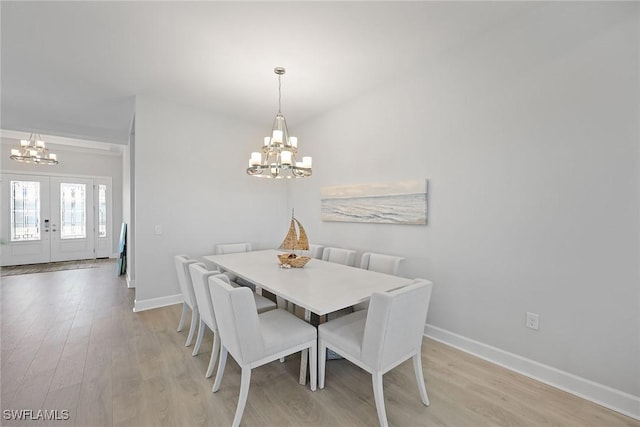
x=400 y=202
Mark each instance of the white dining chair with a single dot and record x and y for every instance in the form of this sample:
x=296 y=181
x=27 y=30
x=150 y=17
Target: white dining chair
x=200 y=278
x=381 y=263
x=381 y=338
x=315 y=251
x=255 y=339
x=182 y=263
x=234 y=248
x=339 y=256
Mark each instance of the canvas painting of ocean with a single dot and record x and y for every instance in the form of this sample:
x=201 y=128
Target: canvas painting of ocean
x=401 y=202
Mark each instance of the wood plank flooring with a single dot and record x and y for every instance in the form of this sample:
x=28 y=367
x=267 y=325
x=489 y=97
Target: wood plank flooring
x=70 y=341
x=54 y=266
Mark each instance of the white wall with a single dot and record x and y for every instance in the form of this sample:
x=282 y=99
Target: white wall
x=529 y=137
x=190 y=181
x=77 y=163
x=128 y=207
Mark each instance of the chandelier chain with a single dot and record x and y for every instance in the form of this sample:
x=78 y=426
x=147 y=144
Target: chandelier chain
x=279 y=93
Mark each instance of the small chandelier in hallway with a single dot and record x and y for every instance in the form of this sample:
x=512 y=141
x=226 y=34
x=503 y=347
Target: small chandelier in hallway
x=278 y=157
x=34 y=151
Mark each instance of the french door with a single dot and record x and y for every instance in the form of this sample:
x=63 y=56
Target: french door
x=47 y=219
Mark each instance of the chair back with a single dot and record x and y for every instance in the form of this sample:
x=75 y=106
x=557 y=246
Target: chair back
x=395 y=324
x=238 y=322
x=184 y=279
x=232 y=248
x=200 y=279
x=339 y=256
x=315 y=251
x=381 y=263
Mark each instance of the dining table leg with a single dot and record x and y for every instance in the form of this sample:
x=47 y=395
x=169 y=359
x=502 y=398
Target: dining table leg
x=281 y=302
x=304 y=356
x=313 y=319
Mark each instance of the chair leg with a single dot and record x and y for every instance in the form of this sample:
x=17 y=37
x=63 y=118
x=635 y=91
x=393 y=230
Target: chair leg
x=378 y=395
x=304 y=359
x=183 y=317
x=220 y=373
x=196 y=348
x=215 y=351
x=245 y=381
x=192 y=328
x=322 y=360
x=313 y=365
x=417 y=369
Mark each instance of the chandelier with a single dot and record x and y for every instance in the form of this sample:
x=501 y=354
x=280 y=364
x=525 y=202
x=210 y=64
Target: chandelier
x=278 y=157
x=33 y=151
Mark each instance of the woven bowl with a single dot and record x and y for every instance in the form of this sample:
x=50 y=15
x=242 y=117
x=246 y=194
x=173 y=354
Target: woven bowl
x=293 y=260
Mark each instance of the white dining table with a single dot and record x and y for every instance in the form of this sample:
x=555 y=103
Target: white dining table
x=320 y=287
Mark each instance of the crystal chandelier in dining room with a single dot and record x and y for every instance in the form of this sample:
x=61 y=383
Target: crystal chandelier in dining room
x=278 y=158
x=33 y=151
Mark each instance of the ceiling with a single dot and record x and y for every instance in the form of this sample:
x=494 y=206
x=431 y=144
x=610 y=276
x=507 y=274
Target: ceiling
x=73 y=69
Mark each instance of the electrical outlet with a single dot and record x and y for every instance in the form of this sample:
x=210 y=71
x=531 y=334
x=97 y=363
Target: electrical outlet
x=532 y=321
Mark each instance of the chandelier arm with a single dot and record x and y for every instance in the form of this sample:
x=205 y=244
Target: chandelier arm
x=33 y=152
x=278 y=158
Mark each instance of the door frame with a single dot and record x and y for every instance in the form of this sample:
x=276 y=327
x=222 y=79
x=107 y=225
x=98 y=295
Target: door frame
x=106 y=243
x=78 y=247
x=28 y=251
x=103 y=245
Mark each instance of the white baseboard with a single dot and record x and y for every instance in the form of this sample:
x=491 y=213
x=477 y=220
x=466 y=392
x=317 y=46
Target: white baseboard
x=608 y=397
x=148 y=304
x=131 y=283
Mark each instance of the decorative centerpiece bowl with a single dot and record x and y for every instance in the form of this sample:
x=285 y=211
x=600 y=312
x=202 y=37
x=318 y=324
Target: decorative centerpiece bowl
x=294 y=240
x=293 y=260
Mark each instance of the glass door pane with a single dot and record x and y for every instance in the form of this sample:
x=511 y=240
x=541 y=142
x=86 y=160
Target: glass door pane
x=25 y=226
x=25 y=210
x=103 y=217
x=73 y=231
x=73 y=214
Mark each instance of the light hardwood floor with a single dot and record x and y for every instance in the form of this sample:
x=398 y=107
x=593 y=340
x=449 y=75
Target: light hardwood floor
x=70 y=341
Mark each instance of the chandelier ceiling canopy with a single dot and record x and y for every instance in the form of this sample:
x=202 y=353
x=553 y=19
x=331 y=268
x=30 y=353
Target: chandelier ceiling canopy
x=279 y=154
x=33 y=151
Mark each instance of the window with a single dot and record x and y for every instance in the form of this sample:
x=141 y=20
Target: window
x=102 y=210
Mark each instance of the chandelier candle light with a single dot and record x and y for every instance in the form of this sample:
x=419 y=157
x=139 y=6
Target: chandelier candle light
x=278 y=157
x=33 y=151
